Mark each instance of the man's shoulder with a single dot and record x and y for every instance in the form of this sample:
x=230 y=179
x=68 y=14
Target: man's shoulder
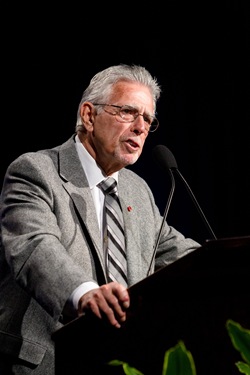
x=42 y=156
x=127 y=175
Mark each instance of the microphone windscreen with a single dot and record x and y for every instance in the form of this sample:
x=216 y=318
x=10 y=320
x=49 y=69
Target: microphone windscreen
x=164 y=157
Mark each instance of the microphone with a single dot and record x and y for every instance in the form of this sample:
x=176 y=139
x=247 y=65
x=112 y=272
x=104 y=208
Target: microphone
x=167 y=161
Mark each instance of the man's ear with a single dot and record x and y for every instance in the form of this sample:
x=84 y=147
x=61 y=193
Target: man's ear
x=88 y=114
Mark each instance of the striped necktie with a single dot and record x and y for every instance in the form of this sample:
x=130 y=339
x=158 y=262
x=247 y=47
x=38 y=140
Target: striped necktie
x=114 y=233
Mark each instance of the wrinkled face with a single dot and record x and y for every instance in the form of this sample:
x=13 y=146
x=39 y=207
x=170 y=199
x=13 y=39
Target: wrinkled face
x=115 y=144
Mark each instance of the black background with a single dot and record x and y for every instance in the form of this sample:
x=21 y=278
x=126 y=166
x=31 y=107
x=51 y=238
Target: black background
x=199 y=52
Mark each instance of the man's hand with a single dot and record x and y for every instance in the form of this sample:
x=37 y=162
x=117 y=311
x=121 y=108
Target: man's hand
x=110 y=300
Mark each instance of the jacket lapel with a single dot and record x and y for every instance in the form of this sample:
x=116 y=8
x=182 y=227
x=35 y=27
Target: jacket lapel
x=76 y=184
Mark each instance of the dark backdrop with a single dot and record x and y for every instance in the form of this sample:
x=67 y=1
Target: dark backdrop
x=200 y=55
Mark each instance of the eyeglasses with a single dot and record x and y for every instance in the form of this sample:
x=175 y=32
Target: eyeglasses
x=127 y=113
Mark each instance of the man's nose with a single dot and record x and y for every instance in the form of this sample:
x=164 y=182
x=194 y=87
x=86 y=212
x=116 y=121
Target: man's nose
x=139 y=125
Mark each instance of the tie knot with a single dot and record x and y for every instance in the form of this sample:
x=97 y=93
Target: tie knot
x=108 y=186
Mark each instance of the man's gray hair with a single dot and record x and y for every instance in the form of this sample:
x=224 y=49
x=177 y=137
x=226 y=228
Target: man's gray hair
x=100 y=86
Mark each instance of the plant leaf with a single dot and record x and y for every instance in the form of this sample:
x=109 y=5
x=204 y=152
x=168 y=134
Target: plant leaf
x=240 y=338
x=128 y=370
x=244 y=368
x=178 y=361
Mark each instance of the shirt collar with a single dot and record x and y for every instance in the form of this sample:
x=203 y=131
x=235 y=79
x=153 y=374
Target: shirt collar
x=93 y=172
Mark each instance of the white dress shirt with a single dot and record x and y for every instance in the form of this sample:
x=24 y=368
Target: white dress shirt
x=94 y=176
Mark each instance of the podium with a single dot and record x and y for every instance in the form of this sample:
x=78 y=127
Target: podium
x=189 y=300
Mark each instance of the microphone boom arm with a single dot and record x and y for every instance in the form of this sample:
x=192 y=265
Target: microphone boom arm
x=164 y=218
x=196 y=203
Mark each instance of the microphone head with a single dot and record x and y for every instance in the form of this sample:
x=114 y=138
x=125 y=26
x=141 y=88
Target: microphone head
x=164 y=157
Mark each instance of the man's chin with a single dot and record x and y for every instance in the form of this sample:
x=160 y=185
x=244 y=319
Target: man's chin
x=130 y=159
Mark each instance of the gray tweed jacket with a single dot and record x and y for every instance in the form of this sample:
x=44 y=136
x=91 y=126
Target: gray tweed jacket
x=51 y=243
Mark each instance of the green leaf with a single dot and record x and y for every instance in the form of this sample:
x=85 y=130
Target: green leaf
x=178 y=361
x=128 y=370
x=240 y=338
x=243 y=368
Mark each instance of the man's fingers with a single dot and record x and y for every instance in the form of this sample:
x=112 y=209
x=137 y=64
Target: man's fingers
x=119 y=291
x=103 y=303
